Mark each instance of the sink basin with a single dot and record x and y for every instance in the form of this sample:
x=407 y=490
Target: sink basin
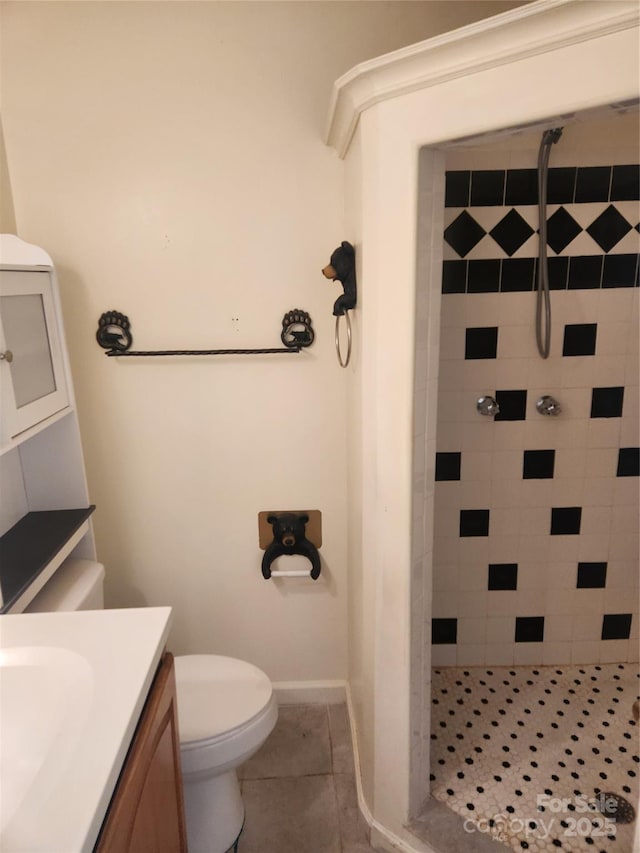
x=45 y=697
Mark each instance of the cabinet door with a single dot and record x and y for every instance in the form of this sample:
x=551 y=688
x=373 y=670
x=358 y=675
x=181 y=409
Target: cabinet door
x=32 y=378
x=146 y=814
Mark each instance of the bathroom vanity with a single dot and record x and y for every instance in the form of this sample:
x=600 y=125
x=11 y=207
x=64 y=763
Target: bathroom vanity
x=90 y=751
x=45 y=510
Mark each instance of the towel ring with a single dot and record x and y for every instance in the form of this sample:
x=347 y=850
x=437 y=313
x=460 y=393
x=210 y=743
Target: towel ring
x=345 y=362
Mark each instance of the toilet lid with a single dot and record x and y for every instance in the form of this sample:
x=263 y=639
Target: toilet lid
x=217 y=694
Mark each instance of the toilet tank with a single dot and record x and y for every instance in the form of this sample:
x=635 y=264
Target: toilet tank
x=76 y=585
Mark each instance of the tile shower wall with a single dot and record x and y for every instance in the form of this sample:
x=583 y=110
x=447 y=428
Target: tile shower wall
x=536 y=517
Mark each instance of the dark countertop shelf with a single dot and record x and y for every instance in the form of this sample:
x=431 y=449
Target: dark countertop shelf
x=31 y=545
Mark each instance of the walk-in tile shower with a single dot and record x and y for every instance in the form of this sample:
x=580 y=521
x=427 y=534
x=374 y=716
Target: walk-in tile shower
x=534 y=601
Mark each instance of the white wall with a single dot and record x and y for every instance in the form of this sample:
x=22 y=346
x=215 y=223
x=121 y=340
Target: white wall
x=169 y=157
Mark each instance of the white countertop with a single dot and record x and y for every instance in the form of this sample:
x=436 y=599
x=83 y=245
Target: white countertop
x=72 y=688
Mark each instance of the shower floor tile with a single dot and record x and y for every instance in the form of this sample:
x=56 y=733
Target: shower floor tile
x=523 y=754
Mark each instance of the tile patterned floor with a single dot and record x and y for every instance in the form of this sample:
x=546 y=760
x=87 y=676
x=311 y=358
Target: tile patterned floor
x=299 y=789
x=510 y=744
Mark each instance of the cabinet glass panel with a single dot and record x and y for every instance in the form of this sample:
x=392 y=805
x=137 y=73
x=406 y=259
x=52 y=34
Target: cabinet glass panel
x=25 y=332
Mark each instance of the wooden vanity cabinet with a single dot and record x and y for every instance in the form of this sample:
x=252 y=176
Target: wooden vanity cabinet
x=146 y=813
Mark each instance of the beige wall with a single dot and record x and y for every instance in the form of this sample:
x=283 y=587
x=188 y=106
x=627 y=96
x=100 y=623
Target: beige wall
x=169 y=157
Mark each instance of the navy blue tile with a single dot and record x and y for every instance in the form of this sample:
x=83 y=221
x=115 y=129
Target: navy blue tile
x=481 y=342
x=456 y=193
x=529 y=629
x=448 y=466
x=625 y=183
x=561 y=184
x=591 y=575
x=454 y=276
x=503 y=576
x=513 y=405
x=562 y=228
x=565 y=520
x=463 y=234
x=609 y=228
x=483 y=276
x=616 y=626
x=511 y=232
x=592 y=183
x=518 y=275
x=522 y=187
x=628 y=462
x=538 y=464
x=585 y=272
x=580 y=339
x=487 y=187
x=558 y=273
x=444 y=631
x=607 y=402
x=474 y=522
x=620 y=270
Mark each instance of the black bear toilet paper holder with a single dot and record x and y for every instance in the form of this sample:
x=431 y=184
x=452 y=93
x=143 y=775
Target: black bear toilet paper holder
x=289 y=532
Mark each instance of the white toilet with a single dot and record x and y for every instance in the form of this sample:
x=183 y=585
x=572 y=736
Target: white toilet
x=226 y=711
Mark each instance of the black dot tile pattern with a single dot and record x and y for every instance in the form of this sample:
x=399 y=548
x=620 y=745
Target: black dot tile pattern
x=538 y=464
x=463 y=234
x=566 y=520
x=503 y=576
x=580 y=339
x=562 y=229
x=524 y=753
x=481 y=342
x=448 y=466
x=609 y=228
x=607 y=402
x=591 y=575
x=511 y=232
x=529 y=629
x=444 y=631
x=474 y=522
x=616 y=626
x=513 y=405
x=628 y=462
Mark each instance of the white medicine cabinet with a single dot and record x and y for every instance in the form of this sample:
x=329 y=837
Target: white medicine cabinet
x=33 y=381
x=44 y=501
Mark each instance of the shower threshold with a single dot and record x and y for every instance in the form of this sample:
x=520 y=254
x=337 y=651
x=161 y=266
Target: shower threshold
x=528 y=757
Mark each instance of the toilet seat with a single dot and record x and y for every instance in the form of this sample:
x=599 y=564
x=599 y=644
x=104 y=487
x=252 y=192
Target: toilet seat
x=226 y=709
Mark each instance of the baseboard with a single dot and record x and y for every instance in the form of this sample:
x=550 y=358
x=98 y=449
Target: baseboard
x=310 y=692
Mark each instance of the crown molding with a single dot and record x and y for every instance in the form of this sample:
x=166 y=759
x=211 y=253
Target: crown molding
x=540 y=27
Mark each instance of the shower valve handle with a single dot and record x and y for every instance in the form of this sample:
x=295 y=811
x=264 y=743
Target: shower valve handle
x=487 y=406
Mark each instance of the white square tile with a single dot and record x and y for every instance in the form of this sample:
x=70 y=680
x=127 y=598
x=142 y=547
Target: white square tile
x=556 y=653
x=444 y=604
x=631 y=403
x=531 y=602
x=625 y=519
x=450 y=406
x=452 y=343
x=577 y=372
x=612 y=651
x=629 y=431
x=601 y=461
x=448 y=495
x=588 y=600
x=559 y=602
x=516 y=341
x=587 y=626
x=575 y=402
x=507 y=464
x=500 y=629
x=624 y=547
x=534 y=548
x=564 y=548
x=608 y=371
x=603 y=432
x=585 y=652
x=615 y=305
x=596 y=520
x=528 y=653
x=445 y=576
x=534 y=521
x=612 y=338
x=499 y=654
x=593 y=549
x=506 y=493
x=558 y=629
x=476 y=466
x=504 y=521
x=452 y=311
x=509 y=435
x=567 y=492
x=561 y=575
x=473 y=549
x=470 y=655
x=625 y=491
x=477 y=435
x=572 y=462
x=532 y=575
x=617 y=601
x=473 y=577
x=472 y=603
x=471 y=630
x=504 y=549
x=598 y=491
x=633 y=652
x=622 y=575
x=571 y=433
x=501 y=603
x=536 y=493
x=443 y=655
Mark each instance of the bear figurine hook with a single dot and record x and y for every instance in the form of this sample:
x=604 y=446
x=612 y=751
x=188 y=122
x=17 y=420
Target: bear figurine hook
x=342 y=268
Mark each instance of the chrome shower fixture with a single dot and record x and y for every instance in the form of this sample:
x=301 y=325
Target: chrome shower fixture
x=548 y=405
x=487 y=406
